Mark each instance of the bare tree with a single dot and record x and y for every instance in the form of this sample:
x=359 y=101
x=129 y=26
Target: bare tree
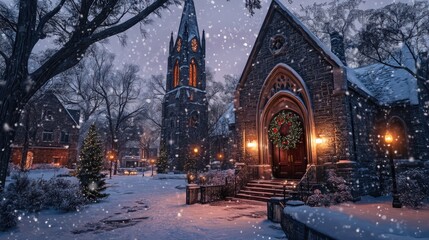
x=231 y=83
x=396 y=26
x=75 y=85
x=72 y=27
x=335 y=19
x=120 y=92
x=155 y=92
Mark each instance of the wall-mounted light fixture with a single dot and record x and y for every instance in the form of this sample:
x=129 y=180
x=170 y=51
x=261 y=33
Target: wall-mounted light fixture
x=319 y=140
x=252 y=144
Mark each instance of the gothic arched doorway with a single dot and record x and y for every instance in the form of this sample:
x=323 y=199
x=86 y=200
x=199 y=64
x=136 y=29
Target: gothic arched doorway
x=284 y=92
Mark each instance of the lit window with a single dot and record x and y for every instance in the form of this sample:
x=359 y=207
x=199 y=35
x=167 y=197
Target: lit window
x=176 y=74
x=194 y=44
x=193 y=74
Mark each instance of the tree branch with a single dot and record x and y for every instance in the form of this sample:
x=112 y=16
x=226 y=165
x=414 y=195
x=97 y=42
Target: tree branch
x=44 y=20
x=125 y=25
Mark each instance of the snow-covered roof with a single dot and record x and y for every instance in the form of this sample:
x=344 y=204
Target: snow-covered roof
x=189 y=21
x=387 y=84
x=222 y=125
x=75 y=114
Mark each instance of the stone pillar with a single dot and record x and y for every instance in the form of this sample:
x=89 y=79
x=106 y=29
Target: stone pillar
x=274 y=209
x=192 y=192
x=347 y=170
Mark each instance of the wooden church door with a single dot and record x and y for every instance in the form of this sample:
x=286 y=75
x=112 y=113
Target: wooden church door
x=288 y=162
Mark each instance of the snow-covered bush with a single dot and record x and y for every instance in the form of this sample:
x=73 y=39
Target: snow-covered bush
x=34 y=195
x=337 y=187
x=413 y=187
x=318 y=199
x=64 y=195
x=337 y=192
x=12 y=169
x=8 y=218
x=228 y=178
x=217 y=177
x=26 y=194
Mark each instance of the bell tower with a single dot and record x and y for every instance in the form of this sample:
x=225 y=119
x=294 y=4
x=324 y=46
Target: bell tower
x=185 y=119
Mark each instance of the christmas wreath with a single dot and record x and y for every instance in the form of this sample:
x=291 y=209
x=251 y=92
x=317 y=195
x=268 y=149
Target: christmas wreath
x=285 y=130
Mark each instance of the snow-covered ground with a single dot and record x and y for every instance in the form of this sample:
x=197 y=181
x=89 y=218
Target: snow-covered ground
x=147 y=208
x=153 y=208
x=370 y=218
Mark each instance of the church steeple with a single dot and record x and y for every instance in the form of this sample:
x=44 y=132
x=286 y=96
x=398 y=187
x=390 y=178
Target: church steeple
x=187 y=53
x=188 y=24
x=185 y=106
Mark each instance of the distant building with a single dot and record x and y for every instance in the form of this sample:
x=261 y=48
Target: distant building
x=222 y=140
x=51 y=130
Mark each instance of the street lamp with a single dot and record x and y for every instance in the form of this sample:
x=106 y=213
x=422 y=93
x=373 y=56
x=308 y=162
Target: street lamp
x=388 y=138
x=152 y=163
x=111 y=158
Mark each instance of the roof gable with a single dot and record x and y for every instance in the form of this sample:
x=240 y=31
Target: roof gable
x=74 y=115
x=277 y=6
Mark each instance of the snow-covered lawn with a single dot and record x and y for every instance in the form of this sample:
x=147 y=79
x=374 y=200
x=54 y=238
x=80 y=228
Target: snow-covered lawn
x=370 y=218
x=146 y=208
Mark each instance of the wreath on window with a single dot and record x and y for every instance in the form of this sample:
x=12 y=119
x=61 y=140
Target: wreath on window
x=285 y=130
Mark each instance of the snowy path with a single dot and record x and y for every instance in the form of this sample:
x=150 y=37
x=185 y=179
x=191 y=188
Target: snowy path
x=150 y=209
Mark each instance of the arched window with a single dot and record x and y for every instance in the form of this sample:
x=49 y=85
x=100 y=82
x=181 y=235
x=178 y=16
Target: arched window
x=176 y=74
x=193 y=74
x=29 y=161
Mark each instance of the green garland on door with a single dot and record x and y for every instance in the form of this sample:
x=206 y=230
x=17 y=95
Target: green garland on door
x=285 y=130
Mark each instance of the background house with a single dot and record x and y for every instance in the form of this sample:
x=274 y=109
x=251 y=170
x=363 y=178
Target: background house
x=48 y=133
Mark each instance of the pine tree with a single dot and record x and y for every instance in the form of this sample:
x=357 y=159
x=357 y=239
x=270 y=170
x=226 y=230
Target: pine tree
x=92 y=181
x=162 y=163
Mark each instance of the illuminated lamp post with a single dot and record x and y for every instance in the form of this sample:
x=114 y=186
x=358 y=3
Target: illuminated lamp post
x=152 y=163
x=111 y=158
x=388 y=138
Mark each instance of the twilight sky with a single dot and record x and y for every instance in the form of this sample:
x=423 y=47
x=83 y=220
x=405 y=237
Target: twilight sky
x=230 y=34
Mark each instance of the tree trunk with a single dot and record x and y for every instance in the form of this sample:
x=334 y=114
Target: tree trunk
x=9 y=117
x=26 y=141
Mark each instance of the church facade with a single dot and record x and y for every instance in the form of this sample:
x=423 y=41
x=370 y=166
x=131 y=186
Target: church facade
x=299 y=108
x=184 y=110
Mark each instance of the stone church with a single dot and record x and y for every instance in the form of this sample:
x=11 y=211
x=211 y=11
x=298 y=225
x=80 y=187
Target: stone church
x=299 y=108
x=184 y=110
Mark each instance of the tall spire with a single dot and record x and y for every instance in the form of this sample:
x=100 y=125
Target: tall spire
x=189 y=22
x=171 y=43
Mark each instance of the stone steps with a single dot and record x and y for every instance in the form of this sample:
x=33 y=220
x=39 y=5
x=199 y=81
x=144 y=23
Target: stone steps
x=263 y=190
